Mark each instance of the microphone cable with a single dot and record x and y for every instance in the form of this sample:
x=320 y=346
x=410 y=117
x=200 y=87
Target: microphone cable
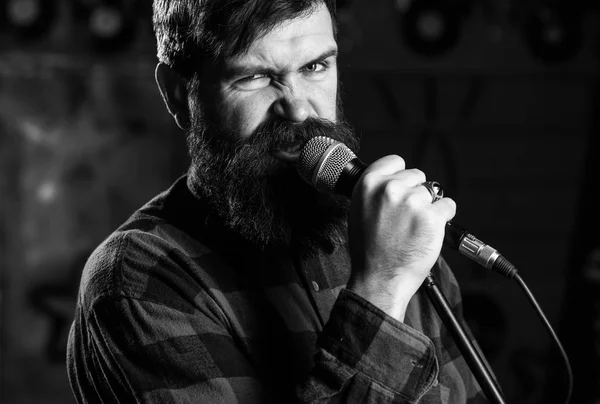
x=542 y=316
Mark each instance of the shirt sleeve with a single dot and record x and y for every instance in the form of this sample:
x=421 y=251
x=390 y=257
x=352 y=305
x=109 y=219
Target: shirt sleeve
x=369 y=357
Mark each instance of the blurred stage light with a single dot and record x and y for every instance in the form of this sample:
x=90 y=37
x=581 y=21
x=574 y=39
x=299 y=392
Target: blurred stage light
x=111 y=24
x=28 y=19
x=429 y=27
x=553 y=35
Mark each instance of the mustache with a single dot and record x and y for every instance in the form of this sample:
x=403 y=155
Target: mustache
x=277 y=133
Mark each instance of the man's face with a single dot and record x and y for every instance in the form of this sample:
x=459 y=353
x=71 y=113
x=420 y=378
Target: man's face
x=290 y=73
x=250 y=116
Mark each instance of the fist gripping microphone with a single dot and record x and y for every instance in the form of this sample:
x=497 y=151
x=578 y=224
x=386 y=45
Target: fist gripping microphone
x=330 y=166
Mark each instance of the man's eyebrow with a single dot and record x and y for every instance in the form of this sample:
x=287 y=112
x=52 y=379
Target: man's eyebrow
x=251 y=68
x=325 y=55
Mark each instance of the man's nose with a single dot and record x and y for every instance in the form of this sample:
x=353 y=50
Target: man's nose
x=292 y=107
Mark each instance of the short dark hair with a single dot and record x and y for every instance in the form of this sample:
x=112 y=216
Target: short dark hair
x=190 y=31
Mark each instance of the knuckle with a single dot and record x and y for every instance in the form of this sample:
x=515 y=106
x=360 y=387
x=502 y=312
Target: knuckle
x=398 y=161
x=413 y=200
x=369 y=181
x=392 y=190
x=452 y=205
x=448 y=210
x=418 y=174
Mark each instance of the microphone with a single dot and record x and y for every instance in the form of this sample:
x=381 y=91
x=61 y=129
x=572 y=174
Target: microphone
x=330 y=166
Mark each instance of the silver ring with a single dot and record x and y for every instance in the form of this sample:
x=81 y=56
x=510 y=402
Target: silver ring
x=435 y=189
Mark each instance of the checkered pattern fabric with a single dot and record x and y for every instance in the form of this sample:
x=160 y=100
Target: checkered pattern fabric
x=174 y=309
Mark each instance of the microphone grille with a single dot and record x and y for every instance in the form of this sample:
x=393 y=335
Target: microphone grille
x=322 y=161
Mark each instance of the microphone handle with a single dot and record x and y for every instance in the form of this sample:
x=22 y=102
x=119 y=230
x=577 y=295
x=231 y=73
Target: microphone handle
x=349 y=176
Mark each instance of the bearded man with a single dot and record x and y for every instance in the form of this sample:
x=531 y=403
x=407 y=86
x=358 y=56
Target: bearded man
x=242 y=283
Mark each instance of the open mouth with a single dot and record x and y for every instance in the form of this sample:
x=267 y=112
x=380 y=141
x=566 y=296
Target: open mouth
x=290 y=153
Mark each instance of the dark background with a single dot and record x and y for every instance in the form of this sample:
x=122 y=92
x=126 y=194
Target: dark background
x=497 y=100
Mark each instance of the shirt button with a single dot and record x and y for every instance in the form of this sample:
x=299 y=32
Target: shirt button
x=315 y=286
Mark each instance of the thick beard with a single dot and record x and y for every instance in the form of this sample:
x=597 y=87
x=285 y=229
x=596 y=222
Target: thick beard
x=261 y=198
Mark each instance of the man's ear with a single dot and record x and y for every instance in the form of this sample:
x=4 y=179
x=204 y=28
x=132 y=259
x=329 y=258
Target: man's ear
x=174 y=93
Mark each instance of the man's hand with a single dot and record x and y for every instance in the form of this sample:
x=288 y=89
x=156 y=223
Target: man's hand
x=395 y=234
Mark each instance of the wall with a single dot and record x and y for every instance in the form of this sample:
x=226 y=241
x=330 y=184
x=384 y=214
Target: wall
x=85 y=139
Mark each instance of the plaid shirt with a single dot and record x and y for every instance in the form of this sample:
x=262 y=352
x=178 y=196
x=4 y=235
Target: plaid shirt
x=173 y=309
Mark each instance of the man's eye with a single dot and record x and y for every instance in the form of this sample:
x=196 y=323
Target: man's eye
x=253 y=82
x=317 y=67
